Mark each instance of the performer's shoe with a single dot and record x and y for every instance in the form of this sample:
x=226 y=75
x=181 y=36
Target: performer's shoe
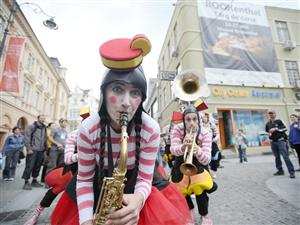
x=206 y=220
x=33 y=220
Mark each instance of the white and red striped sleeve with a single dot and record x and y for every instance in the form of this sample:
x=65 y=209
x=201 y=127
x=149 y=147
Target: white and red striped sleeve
x=86 y=171
x=205 y=141
x=71 y=143
x=149 y=146
x=176 y=140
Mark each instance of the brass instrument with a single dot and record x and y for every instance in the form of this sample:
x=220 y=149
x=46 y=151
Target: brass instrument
x=189 y=86
x=111 y=195
x=188 y=168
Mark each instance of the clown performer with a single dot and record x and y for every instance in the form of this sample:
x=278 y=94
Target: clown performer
x=148 y=198
x=58 y=178
x=188 y=138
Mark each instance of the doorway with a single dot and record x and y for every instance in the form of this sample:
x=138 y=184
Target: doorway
x=226 y=127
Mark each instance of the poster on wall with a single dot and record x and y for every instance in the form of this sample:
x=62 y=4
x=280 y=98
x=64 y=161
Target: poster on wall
x=237 y=44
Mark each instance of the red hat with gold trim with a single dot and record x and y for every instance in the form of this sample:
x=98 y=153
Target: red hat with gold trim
x=123 y=57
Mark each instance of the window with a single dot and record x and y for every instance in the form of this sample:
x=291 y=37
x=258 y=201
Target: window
x=47 y=83
x=26 y=91
x=30 y=62
x=282 y=31
x=1 y=24
x=36 y=100
x=41 y=75
x=292 y=72
x=253 y=125
x=175 y=33
x=169 y=50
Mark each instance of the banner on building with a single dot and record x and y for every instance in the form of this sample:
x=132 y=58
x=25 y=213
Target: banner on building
x=10 y=75
x=237 y=44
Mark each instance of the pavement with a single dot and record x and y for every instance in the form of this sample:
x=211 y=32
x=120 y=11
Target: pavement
x=248 y=194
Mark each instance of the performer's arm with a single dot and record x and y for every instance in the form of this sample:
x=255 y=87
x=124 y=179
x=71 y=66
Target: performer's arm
x=148 y=155
x=86 y=171
x=176 y=140
x=71 y=142
x=204 y=153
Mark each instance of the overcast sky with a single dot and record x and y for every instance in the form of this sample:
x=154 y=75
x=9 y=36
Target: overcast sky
x=83 y=25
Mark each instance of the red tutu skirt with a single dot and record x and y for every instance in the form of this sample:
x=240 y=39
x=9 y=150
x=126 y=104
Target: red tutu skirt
x=65 y=212
x=165 y=207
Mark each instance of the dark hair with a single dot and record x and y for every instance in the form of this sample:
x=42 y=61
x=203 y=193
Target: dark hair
x=104 y=124
x=50 y=124
x=40 y=115
x=191 y=109
x=294 y=115
x=14 y=129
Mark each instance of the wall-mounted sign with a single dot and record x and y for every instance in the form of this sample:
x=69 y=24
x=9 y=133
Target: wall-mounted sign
x=221 y=92
x=167 y=75
x=265 y=94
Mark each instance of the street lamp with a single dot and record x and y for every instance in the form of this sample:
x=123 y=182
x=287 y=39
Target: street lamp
x=48 y=23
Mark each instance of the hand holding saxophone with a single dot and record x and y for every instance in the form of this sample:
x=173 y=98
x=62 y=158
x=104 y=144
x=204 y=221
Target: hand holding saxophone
x=129 y=214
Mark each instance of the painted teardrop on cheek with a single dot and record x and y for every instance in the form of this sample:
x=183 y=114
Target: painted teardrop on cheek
x=113 y=100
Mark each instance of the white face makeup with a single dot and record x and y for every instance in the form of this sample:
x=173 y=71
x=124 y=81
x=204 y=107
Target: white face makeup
x=191 y=121
x=122 y=97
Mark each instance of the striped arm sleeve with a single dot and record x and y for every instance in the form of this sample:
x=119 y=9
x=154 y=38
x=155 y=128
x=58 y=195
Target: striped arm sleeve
x=176 y=141
x=146 y=165
x=204 y=156
x=71 y=142
x=86 y=171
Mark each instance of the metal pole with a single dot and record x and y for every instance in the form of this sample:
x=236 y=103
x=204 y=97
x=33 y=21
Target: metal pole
x=9 y=22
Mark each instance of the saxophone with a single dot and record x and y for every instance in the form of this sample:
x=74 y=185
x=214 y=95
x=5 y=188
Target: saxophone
x=111 y=195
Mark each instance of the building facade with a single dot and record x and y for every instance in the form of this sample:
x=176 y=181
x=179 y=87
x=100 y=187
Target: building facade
x=80 y=98
x=39 y=86
x=225 y=51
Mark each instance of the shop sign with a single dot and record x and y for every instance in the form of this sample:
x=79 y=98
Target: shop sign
x=219 y=92
x=264 y=94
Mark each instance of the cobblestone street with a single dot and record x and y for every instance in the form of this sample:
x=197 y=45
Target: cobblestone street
x=248 y=194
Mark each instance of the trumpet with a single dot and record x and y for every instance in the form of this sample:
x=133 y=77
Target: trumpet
x=188 y=168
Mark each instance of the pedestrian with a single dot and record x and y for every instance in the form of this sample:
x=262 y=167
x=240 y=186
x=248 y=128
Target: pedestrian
x=36 y=144
x=241 y=143
x=184 y=136
x=50 y=127
x=13 y=145
x=123 y=91
x=276 y=130
x=58 y=139
x=294 y=135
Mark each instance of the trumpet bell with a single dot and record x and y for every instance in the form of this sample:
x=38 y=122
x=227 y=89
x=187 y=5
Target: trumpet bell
x=189 y=86
x=188 y=169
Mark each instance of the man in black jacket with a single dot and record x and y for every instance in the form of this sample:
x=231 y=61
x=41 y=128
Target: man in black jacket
x=276 y=130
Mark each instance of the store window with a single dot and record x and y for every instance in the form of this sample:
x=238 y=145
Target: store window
x=292 y=72
x=282 y=31
x=253 y=125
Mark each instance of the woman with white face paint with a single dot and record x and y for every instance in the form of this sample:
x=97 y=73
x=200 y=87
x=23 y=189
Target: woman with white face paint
x=123 y=91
